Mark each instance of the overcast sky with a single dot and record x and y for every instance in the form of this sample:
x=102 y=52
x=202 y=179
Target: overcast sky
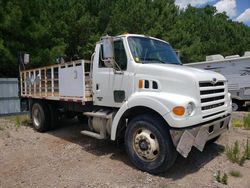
x=238 y=10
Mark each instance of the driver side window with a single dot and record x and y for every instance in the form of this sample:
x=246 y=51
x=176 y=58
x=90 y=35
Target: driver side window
x=120 y=55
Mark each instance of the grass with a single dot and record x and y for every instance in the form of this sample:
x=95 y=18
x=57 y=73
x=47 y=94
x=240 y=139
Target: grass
x=223 y=179
x=247 y=150
x=246 y=122
x=237 y=122
x=20 y=120
x=235 y=173
x=235 y=155
x=217 y=177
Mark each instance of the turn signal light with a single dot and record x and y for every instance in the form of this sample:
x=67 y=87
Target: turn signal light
x=140 y=83
x=179 y=110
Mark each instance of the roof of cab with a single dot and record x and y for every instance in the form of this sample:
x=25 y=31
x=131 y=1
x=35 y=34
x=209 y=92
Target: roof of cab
x=140 y=35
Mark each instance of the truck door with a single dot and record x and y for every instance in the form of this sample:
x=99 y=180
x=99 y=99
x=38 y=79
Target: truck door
x=110 y=87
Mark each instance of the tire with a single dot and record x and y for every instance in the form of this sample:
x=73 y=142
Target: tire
x=149 y=145
x=40 y=117
x=237 y=105
x=54 y=116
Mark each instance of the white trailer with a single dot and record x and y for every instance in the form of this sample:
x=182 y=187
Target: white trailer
x=237 y=71
x=136 y=90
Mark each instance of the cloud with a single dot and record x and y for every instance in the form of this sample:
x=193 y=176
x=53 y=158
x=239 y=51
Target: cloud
x=244 y=17
x=228 y=6
x=195 y=3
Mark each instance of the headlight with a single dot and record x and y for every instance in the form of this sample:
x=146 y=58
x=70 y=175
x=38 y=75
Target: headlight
x=190 y=108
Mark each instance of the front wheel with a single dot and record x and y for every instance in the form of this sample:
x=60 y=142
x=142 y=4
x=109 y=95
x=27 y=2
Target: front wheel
x=148 y=144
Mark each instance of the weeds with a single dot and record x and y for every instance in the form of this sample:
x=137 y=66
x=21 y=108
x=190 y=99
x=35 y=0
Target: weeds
x=235 y=173
x=247 y=150
x=237 y=123
x=217 y=177
x=27 y=122
x=235 y=155
x=246 y=122
x=18 y=121
x=222 y=179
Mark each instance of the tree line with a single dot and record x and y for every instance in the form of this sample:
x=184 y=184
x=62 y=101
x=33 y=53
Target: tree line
x=51 y=28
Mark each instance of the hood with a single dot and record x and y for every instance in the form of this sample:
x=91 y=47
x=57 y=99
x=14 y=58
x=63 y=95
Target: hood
x=183 y=72
x=176 y=79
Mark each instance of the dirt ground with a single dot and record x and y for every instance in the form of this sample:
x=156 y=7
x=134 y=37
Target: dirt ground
x=65 y=158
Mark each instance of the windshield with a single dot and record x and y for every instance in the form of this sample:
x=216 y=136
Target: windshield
x=147 y=50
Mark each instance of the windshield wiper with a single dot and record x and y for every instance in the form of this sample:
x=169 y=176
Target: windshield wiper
x=153 y=59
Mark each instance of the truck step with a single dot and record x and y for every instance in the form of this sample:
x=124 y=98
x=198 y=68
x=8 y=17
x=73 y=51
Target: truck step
x=94 y=135
x=99 y=114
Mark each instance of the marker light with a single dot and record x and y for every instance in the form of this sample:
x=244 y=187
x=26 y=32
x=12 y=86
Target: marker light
x=140 y=83
x=179 y=110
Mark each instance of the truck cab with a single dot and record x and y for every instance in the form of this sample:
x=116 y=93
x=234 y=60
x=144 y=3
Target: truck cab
x=141 y=94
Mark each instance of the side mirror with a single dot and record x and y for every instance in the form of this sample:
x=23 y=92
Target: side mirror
x=178 y=53
x=26 y=58
x=23 y=59
x=108 y=51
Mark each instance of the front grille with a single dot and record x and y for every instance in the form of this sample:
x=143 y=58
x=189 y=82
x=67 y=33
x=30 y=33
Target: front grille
x=209 y=84
x=212 y=96
x=212 y=91
x=212 y=99
x=212 y=106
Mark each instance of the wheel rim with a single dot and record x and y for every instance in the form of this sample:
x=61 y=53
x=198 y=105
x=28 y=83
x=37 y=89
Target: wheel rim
x=146 y=145
x=235 y=106
x=36 y=117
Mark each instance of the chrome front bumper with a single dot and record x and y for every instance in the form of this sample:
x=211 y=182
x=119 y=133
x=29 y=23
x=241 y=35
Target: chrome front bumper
x=184 y=139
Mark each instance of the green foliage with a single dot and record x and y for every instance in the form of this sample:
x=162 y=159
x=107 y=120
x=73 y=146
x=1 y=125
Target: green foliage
x=235 y=154
x=20 y=120
x=51 y=28
x=247 y=150
x=237 y=122
x=224 y=179
x=235 y=173
x=247 y=122
x=218 y=176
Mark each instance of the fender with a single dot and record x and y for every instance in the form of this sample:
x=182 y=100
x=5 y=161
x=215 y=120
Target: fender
x=151 y=100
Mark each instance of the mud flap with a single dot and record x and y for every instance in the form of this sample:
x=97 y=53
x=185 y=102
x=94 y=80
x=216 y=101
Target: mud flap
x=201 y=138
x=185 y=144
x=187 y=140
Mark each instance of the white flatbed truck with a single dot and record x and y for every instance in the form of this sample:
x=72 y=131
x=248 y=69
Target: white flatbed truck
x=134 y=88
x=236 y=69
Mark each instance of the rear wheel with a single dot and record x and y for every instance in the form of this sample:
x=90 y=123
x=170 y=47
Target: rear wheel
x=148 y=144
x=54 y=115
x=40 y=117
x=237 y=105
